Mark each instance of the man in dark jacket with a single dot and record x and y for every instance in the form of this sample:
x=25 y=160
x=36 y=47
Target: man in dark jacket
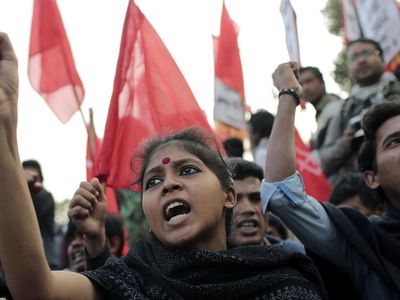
x=43 y=202
x=364 y=248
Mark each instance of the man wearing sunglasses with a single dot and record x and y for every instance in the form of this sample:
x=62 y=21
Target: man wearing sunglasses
x=372 y=84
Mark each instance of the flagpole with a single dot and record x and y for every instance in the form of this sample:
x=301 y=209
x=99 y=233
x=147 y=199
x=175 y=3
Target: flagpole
x=92 y=143
x=358 y=19
x=83 y=117
x=91 y=134
x=80 y=109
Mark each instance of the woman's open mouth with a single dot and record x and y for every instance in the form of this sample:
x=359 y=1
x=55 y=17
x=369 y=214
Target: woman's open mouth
x=176 y=210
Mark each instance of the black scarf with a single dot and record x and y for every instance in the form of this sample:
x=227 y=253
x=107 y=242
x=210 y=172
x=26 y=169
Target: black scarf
x=154 y=271
x=377 y=240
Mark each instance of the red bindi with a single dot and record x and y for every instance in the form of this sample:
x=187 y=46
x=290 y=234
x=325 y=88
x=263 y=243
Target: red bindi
x=166 y=160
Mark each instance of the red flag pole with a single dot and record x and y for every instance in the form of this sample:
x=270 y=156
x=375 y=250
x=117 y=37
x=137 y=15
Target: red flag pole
x=91 y=133
x=81 y=112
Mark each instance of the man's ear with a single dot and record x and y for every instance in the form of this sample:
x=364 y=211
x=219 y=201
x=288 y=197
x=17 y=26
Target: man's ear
x=230 y=200
x=371 y=179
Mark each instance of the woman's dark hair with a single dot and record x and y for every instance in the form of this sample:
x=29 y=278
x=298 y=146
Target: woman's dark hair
x=372 y=120
x=195 y=141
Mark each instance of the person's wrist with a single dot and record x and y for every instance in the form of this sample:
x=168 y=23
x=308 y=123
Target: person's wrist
x=293 y=92
x=95 y=242
x=94 y=262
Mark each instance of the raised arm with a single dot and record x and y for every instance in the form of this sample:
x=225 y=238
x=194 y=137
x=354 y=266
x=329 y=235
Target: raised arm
x=21 y=250
x=281 y=155
x=283 y=192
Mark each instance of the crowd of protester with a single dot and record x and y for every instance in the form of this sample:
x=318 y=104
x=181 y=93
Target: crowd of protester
x=224 y=228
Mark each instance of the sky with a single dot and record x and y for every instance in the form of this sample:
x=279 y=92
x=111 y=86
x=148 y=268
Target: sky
x=94 y=30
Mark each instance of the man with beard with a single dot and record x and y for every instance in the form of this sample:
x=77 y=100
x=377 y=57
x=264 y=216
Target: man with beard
x=366 y=66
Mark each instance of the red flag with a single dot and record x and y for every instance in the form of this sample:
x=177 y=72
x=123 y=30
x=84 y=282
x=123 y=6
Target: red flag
x=150 y=97
x=93 y=149
x=315 y=182
x=228 y=67
x=51 y=70
x=229 y=88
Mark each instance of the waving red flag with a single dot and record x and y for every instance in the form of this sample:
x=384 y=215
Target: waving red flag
x=315 y=182
x=93 y=148
x=51 y=70
x=229 y=106
x=150 y=97
x=228 y=67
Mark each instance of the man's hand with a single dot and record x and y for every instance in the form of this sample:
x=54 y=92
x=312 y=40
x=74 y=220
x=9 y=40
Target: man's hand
x=88 y=211
x=8 y=85
x=34 y=184
x=286 y=76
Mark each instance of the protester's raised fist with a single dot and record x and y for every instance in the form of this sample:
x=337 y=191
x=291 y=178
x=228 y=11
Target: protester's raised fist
x=88 y=210
x=286 y=76
x=8 y=83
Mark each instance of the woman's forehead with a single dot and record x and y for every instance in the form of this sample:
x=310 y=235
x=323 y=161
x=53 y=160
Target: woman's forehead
x=169 y=153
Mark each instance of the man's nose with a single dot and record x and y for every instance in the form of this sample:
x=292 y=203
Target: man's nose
x=247 y=206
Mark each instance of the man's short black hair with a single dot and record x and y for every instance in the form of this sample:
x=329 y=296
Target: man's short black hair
x=234 y=147
x=261 y=122
x=354 y=185
x=274 y=221
x=367 y=41
x=114 y=227
x=372 y=120
x=241 y=168
x=34 y=164
x=315 y=71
